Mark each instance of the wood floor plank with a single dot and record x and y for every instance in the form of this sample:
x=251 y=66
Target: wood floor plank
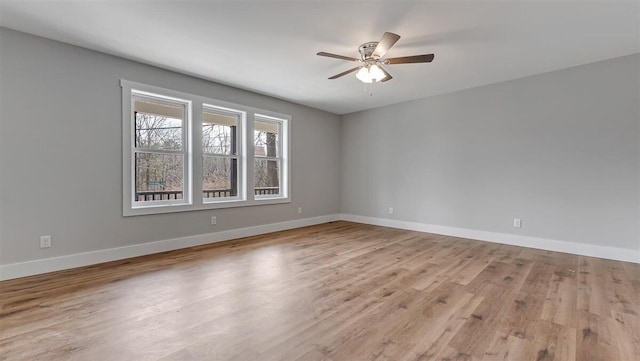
x=332 y=292
x=474 y=338
x=595 y=339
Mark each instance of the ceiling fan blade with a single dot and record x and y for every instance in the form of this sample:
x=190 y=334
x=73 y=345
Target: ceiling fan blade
x=345 y=72
x=322 y=53
x=387 y=76
x=426 y=58
x=387 y=41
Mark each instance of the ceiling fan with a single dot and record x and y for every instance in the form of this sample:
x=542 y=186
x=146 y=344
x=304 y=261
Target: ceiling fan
x=370 y=69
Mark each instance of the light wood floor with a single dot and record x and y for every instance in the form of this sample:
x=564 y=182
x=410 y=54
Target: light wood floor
x=338 y=291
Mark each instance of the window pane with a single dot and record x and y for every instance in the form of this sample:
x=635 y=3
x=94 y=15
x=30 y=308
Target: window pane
x=158 y=176
x=265 y=139
x=267 y=177
x=219 y=132
x=158 y=125
x=219 y=177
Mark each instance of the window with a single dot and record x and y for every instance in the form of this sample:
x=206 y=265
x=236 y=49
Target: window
x=185 y=152
x=220 y=153
x=159 y=150
x=267 y=148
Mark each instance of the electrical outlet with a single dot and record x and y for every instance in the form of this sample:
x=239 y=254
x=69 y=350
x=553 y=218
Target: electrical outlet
x=517 y=223
x=214 y=220
x=45 y=241
x=299 y=210
x=390 y=210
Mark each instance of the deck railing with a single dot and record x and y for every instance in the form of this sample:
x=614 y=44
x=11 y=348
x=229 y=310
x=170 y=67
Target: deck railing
x=145 y=196
x=266 y=190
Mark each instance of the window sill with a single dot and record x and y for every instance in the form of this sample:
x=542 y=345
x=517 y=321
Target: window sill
x=175 y=208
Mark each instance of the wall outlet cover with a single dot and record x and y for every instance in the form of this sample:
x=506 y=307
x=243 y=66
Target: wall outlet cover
x=45 y=241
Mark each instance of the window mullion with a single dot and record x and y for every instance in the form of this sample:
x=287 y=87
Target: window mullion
x=197 y=152
x=250 y=148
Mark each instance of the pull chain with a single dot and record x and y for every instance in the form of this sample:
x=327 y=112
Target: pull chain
x=369 y=88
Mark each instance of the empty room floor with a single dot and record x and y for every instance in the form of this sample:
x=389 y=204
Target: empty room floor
x=336 y=291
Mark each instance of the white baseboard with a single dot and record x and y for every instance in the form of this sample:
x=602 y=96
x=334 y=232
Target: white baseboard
x=30 y=268
x=583 y=249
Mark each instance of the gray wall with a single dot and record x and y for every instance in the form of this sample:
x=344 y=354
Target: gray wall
x=61 y=163
x=560 y=150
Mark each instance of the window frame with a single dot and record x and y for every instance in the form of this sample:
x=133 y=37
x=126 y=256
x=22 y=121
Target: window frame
x=186 y=172
x=240 y=151
x=195 y=154
x=279 y=158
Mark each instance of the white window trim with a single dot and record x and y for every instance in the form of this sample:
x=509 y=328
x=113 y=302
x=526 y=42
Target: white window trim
x=186 y=140
x=241 y=151
x=283 y=126
x=195 y=154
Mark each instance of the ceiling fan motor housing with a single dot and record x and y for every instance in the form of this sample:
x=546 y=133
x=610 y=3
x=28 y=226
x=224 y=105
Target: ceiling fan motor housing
x=366 y=50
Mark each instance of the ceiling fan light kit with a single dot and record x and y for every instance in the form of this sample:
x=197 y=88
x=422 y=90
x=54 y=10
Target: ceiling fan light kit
x=370 y=73
x=371 y=53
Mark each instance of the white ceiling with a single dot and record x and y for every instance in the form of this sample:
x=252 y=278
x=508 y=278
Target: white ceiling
x=269 y=47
